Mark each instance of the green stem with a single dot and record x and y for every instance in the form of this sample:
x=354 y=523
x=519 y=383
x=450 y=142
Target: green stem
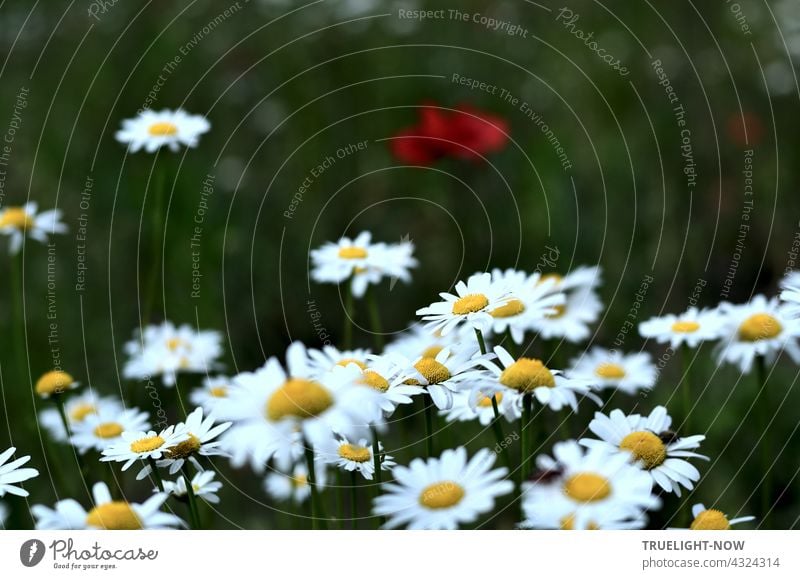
x=427 y=402
x=497 y=428
x=481 y=342
x=375 y=321
x=512 y=346
x=524 y=456
x=18 y=323
x=764 y=418
x=348 y=314
x=317 y=515
x=156 y=474
x=353 y=500
x=687 y=390
x=376 y=455
x=157 y=218
x=194 y=513
x=62 y=412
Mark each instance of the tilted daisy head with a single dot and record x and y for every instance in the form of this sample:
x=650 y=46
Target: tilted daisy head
x=26 y=221
x=54 y=382
x=689 y=328
x=151 y=130
x=613 y=369
x=713 y=520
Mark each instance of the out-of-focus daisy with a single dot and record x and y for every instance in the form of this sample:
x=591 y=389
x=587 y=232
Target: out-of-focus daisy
x=612 y=369
x=713 y=520
x=55 y=382
x=389 y=375
x=269 y=406
x=3 y=515
x=107 y=514
x=11 y=473
x=141 y=445
x=203 y=485
x=587 y=489
x=388 y=260
x=651 y=444
x=100 y=430
x=760 y=327
x=200 y=442
x=77 y=409
x=151 y=130
x=691 y=327
x=446 y=373
x=470 y=305
x=531 y=298
x=519 y=376
x=353 y=457
x=790 y=294
x=476 y=405
x=442 y=493
x=293 y=487
x=572 y=319
x=18 y=222
x=324 y=360
x=420 y=341
x=209 y=394
x=166 y=350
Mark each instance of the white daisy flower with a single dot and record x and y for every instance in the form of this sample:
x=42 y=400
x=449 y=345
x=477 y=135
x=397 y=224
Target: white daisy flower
x=587 y=489
x=713 y=520
x=269 y=406
x=389 y=376
x=77 y=408
x=520 y=376
x=572 y=319
x=107 y=514
x=166 y=350
x=585 y=277
x=419 y=340
x=353 y=457
x=446 y=373
x=442 y=493
x=790 y=294
x=324 y=360
x=141 y=445
x=11 y=473
x=760 y=327
x=691 y=328
x=203 y=485
x=293 y=487
x=151 y=130
x=612 y=369
x=200 y=442
x=19 y=222
x=651 y=444
x=55 y=382
x=470 y=305
x=100 y=430
x=476 y=405
x=532 y=298
x=209 y=394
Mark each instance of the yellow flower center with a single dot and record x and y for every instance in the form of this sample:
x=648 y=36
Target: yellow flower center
x=374 y=380
x=710 y=520
x=513 y=308
x=163 y=129
x=486 y=401
x=175 y=343
x=16 y=217
x=53 y=382
x=470 y=304
x=298 y=398
x=108 y=430
x=354 y=452
x=346 y=361
x=114 y=516
x=219 y=391
x=646 y=447
x=441 y=495
x=587 y=487
x=685 y=327
x=147 y=444
x=185 y=449
x=432 y=351
x=551 y=276
x=560 y=310
x=610 y=371
x=527 y=374
x=299 y=480
x=81 y=411
x=352 y=252
x=434 y=372
x=759 y=327
x=568 y=524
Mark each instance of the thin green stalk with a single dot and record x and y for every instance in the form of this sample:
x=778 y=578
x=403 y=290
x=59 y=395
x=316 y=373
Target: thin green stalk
x=525 y=423
x=348 y=315
x=497 y=428
x=317 y=514
x=481 y=342
x=764 y=412
x=687 y=390
x=156 y=474
x=428 y=404
x=511 y=345
x=58 y=400
x=376 y=455
x=375 y=321
x=157 y=219
x=353 y=500
x=18 y=323
x=194 y=513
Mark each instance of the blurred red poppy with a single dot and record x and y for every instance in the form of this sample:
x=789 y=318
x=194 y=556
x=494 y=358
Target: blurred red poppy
x=745 y=129
x=464 y=133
